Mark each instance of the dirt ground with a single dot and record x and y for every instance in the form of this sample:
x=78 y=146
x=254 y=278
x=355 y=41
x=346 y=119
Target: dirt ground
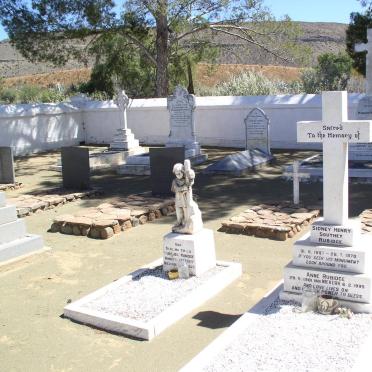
x=33 y=292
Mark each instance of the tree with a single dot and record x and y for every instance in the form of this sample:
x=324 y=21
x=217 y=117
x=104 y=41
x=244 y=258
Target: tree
x=161 y=36
x=357 y=33
x=332 y=72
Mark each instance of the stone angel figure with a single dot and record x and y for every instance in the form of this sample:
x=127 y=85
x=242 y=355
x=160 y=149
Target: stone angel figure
x=189 y=219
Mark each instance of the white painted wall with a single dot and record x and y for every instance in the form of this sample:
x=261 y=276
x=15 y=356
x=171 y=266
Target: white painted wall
x=219 y=121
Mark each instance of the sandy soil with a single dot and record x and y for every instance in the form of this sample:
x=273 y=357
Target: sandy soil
x=33 y=292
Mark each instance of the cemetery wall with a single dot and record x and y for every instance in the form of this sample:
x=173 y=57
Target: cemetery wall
x=219 y=121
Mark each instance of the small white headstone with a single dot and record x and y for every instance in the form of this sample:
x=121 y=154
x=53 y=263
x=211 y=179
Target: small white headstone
x=257 y=131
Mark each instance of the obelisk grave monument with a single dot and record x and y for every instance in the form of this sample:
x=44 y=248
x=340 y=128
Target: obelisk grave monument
x=334 y=258
x=181 y=107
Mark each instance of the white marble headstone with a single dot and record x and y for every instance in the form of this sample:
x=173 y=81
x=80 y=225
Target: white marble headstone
x=257 y=131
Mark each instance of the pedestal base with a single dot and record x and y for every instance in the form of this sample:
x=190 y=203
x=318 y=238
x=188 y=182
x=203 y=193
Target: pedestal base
x=197 y=251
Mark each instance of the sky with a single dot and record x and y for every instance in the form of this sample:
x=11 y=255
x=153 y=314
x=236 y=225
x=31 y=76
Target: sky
x=303 y=10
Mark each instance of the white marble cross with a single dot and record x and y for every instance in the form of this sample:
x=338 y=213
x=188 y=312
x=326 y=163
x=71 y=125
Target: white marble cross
x=362 y=47
x=335 y=131
x=122 y=101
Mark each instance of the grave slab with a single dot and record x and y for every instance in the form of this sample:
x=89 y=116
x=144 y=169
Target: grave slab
x=2 y=199
x=244 y=346
x=6 y=165
x=341 y=285
x=354 y=259
x=196 y=250
x=12 y=230
x=120 y=306
x=8 y=214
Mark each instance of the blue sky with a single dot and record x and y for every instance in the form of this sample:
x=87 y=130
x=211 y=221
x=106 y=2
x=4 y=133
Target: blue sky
x=303 y=10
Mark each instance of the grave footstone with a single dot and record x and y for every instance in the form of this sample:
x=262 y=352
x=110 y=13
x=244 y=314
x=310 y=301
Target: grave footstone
x=181 y=106
x=162 y=161
x=333 y=258
x=6 y=165
x=75 y=168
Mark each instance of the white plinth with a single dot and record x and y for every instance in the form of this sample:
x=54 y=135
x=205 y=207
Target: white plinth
x=8 y=214
x=2 y=199
x=341 y=285
x=88 y=311
x=197 y=250
x=124 y=140
x=355 y=259
x=12 y=230
x=323 y=233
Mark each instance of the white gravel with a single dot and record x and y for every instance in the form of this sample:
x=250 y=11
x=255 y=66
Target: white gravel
x=147 y=294
x=283 y=339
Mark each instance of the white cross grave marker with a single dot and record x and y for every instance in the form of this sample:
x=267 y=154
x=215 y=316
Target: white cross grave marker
x=335 y=131
x=367 y=47
x=122 y=102
x=296 y=181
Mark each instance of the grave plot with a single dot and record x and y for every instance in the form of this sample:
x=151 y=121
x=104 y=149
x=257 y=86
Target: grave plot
x=34 y=203
x=273 y=221
x=145 y=302
x=108 y=219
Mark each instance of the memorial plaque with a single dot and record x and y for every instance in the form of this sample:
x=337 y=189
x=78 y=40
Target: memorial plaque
x=75 y=168
x=196 y=250
x=6 y=165
x=341 y=285
x=162 y=161
x=349 y=259
x=257 y=131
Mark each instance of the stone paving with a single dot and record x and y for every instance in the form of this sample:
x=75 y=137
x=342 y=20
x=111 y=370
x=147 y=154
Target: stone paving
x=273 y=221
x=108 y=219
x=10 y=186
x=33 y=203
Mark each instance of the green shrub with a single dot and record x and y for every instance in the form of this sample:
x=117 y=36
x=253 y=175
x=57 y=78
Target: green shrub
x=8 y=95
x=29 y=94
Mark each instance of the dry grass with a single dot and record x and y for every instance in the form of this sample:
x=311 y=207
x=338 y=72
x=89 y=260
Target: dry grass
x=209 y=74
x=64 y=77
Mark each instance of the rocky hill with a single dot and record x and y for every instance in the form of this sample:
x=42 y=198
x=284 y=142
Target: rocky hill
x=320 y=37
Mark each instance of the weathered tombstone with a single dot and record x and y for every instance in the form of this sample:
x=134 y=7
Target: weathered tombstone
x=257 y=129
x=162 y=161
x=181 y=106
x=6 y=165
x=333 y=258
x=124 y=139
x=75 y=167
x=189 y=243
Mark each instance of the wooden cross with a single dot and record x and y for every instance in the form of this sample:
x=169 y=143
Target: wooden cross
x=335 y=131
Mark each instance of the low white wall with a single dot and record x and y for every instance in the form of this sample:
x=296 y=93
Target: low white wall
x=219 y=121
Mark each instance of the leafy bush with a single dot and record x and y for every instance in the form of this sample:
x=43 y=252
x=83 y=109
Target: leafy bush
x=8 y=95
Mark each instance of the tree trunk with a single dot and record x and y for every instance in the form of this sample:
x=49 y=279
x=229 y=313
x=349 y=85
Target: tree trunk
x=162 y=50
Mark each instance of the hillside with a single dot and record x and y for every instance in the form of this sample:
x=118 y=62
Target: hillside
x=320 y=37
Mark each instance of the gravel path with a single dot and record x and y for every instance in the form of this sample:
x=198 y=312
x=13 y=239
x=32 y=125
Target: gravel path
x=283 y=339
x=147 y=295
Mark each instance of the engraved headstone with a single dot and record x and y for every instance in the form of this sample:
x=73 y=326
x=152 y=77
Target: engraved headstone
x=6 y=165
x=75 y=168
x=332 y=258
x=162 y=161
x=181 y=106
x=257 y=131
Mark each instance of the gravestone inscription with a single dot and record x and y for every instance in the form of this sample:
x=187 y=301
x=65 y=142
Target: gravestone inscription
x=6 y=165
x=75 y=167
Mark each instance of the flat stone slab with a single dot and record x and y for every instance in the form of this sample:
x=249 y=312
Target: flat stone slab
x=28 y=204
x=240 y=162
x=108 y=219
x=272 y=221
x=146 y=302
x=275 y=336
x=10 y=186
x=366 y=221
